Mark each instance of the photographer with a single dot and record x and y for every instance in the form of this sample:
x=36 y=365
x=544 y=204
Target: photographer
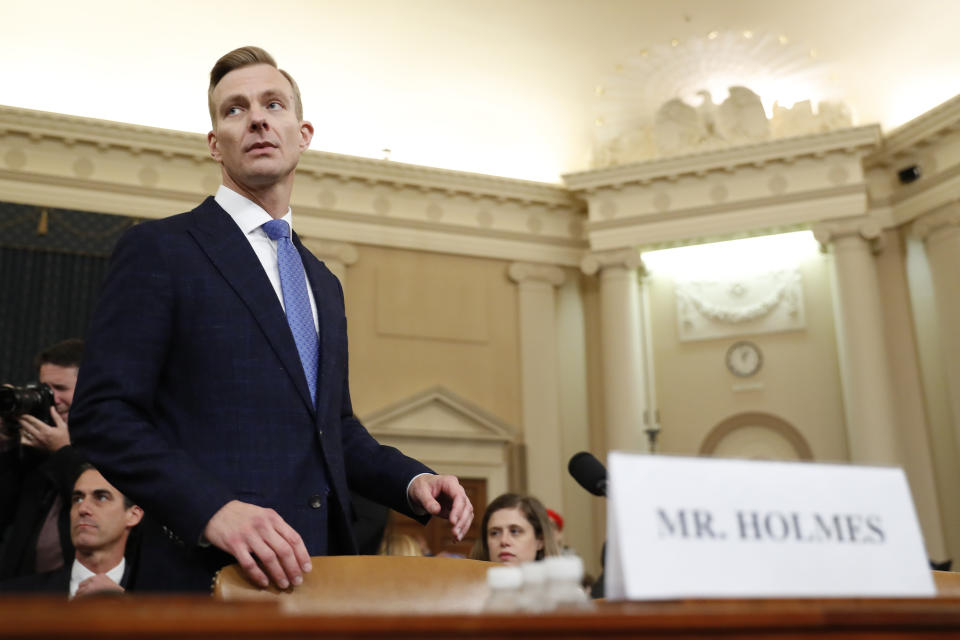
x=37 y=469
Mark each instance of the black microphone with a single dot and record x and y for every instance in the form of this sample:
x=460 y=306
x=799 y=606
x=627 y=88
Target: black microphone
x=589 y=473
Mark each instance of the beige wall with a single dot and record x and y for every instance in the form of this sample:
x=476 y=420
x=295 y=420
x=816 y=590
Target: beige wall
x=418 y=320
x=799 y=381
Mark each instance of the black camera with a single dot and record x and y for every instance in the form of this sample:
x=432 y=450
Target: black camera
x=33 y=399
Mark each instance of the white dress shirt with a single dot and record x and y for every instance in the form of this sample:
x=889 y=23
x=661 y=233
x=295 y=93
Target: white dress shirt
x=79 y=573
x=250 y=217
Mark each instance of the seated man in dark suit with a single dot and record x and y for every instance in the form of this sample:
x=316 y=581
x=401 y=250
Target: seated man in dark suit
x=101 y=519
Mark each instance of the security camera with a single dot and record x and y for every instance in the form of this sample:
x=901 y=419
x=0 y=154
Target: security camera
x=909 y=174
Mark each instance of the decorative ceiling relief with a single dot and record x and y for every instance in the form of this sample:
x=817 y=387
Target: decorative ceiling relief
x=748 y=304
x=722 y=90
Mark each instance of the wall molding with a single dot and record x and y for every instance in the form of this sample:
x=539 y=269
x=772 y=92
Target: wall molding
x=784 y=151
x=86 y=164
x=768 y=421
x=451 y=435
x=924 y=130
x=794 y=182
x=929 y=142
x=49 y=159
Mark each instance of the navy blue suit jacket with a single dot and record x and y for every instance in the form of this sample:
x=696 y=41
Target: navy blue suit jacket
x=191 y=394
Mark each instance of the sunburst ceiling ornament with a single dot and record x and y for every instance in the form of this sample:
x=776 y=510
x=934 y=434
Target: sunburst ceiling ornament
x=781 y=72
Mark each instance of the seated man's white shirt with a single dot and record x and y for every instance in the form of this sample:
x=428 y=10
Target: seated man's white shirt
x=79 y=573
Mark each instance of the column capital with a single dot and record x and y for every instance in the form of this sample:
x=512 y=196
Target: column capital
x=331 y=251
x=866 y=229
x=521 y=272
x=598 y=260
x=939 y=219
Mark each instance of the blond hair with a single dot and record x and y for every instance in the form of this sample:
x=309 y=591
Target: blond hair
x=246 y=57
x=399 y=544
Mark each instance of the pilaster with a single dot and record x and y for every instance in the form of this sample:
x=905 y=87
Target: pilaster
x=865 y=371
x=621 y=318
x=536 y=286
x=940 y=232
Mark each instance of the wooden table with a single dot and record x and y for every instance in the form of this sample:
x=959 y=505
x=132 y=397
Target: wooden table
x=154 y=617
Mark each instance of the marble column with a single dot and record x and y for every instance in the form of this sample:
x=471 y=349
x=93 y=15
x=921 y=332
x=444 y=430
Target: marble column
x=622 y=344
x=864 y=367
x=940 y=232
x=540 y=385
x=336 y=255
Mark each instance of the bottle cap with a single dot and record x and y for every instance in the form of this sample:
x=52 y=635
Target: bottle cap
x=504 y=577
x=564 y=568
x=533 y=573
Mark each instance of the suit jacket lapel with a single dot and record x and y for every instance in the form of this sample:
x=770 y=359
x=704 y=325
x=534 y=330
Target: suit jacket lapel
x=61 y=577
x=224 y=243
x=127 y=574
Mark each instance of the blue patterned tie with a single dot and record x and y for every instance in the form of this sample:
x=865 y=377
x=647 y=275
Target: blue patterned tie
x=296 y=302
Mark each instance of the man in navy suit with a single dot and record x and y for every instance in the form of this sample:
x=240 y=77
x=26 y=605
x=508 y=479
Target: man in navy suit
x=197 y=396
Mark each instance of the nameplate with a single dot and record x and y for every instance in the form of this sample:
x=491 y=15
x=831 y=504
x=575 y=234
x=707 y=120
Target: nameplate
x=711 y=528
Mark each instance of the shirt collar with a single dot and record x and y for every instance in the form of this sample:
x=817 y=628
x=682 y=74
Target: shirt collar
x=79 y=573
x=248 y=215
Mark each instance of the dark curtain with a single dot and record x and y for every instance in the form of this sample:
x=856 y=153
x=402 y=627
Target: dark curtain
x=52 y=263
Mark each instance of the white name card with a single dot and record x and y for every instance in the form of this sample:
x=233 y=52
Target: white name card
x=711 y=528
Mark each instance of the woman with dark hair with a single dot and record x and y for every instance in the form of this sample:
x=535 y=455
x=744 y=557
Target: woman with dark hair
x=515 y=529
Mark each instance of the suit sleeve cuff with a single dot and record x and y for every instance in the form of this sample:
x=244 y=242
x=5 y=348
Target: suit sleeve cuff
x=416 y=508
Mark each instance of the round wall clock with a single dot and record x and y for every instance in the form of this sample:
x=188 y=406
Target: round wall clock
x=744 y=359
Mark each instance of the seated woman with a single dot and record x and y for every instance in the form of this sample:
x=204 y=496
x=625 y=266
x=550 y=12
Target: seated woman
x=515 y=529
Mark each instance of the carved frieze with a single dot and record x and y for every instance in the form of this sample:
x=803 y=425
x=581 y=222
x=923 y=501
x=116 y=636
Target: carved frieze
x=759 y=302
x=764 y=187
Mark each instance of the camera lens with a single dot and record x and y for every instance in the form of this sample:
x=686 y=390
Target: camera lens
x=8 y=402
x=33 y=399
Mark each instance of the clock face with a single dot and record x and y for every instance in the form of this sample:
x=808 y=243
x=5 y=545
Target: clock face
x=744 y=359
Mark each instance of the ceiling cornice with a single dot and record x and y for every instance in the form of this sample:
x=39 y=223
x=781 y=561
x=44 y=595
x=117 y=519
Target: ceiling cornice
x=139 y=139
x=922 y=131
x=102 y=133
x=320 y=164
x=856 y=139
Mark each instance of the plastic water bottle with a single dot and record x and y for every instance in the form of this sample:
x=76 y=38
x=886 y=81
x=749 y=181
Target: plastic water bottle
x=532 y=594
x=505 y=584
x=564 y=589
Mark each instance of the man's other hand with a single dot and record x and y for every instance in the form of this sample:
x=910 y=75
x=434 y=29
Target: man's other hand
x=40 y=435
x=99 y=583
x=245 y=530
x=443 y=496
